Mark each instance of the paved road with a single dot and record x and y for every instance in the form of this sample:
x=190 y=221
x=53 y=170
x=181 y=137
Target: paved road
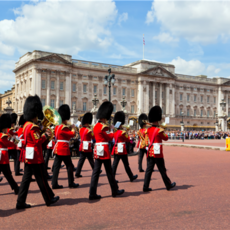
x=200 y=200
x=207 y=142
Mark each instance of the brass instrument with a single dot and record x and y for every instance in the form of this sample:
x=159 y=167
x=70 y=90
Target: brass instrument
x=126 y=127
x=73 y=127
x=162 y=125
x=51 y=117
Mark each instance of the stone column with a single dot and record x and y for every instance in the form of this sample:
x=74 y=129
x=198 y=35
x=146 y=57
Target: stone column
x=146 y=97
x=57 y=89
x=38 y=81
x=173 y=101
x=68 y=78
x=140 y=97
x=160 y=95
x=226 y=100
x=167 y=100
x=48 y=88
x=154 y=90
x=220 y=97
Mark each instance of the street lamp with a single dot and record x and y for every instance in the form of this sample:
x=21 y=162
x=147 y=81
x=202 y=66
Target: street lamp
x=95 y=101
x=223 y=104
x=182 y=114
x=123 y=103
x=108 y=80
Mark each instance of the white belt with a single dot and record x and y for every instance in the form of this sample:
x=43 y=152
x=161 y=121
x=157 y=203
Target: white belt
x=102 y=143
x=123 y=143
x=63 y=141
x=3 y=149
x=86 y=141
x=21 y=139
x=157 y=143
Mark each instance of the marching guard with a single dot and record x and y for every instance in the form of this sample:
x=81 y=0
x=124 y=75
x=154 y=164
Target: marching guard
x=119 y=149
x=5 y=122
x=155 y=151
x=101 y=151
x=63 y=134
x=85 y=147
x=32 y=154
x=143 y=139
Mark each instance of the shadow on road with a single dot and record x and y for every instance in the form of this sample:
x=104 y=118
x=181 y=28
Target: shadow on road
x=10 y=212
x=178 y=187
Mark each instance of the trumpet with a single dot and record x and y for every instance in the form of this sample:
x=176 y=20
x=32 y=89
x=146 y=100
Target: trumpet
x=126 y=127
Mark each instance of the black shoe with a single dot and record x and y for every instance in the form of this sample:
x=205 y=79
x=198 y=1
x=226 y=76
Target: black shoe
x=21 y=170
x=62 y=166
x=100 y=171
x=49 y=177
x=73 y=185
x=1 y=178
x=19 y=174
x=57 y=186
x=78 y=175
x=32 y=180
x=94 y=197
x=172 y=186
x=22 y=206
x=117 y=181
x=16 y=191
x=48 y=168
x=147 y=189
x=54 y=200
x=75 y=169
x=134 y=178
x=118 y=193
x=141 y=170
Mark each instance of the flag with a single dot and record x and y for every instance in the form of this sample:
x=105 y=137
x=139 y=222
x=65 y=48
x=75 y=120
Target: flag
x=143 y=40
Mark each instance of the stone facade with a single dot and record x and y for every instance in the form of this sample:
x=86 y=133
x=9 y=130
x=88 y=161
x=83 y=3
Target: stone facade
x=58 y=79
x=9 y=94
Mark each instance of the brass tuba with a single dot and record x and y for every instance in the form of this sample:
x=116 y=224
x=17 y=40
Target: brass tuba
x=51 y=117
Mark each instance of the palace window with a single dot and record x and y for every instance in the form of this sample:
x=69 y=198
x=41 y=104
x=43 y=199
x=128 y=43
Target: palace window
x=52 y=103
x=208 y=113
x=162 y=95
x=114 y=90
x=156 y=94
x=43 y=102
x=61 y=102
x=188 y=97
x=180 y=111
x=132 y=109
x=201 y=98
x=194 y=112
x=228 y=100
x=61 y=85
x=114 y=108
x=84 y=106
x=194 y=97
x=94 y=89
x=207 y=99
x=84 y=88
x=73 y=104
x=201 y=112
x=74 y=87
x=105 y=90
x=52 y=85
x=132 y=92
x=214 y=100
x=181 y=96
x=43 y=84
x=123 y=91
x=188 y=112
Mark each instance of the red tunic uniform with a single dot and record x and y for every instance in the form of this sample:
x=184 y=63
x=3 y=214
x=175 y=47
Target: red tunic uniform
x=4 y=145
x=143 y=139
x=159 y=136
x=53 y=144
x=121 y=137
x=103 y=136
x=20 y=136
x=34 y=139
x=12 y=133
x=63 y=134
x=86 y=135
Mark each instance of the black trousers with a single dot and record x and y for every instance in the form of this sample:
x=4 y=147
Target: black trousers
x=151 y=161
x=96 y=173
x=48 y=155
x=14 y=154
x=5 y=169
x=125 y=160
x=57 y=165
x=39 y=171
x=140 y=159
x=81 y=161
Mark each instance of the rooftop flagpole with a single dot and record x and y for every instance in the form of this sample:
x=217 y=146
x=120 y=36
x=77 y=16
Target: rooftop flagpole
x=143 y=46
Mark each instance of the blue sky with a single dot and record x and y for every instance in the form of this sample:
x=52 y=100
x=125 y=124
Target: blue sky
x=192 y=35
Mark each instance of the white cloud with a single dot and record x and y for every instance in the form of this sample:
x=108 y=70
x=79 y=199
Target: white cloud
x=165 y=37
x=122 y=18
x=59 y=26
x=197 y=21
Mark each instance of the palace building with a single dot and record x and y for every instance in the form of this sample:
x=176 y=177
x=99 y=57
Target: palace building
x=58 y=79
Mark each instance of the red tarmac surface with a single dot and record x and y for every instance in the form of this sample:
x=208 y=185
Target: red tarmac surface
x=207 y=142
x=200 y=200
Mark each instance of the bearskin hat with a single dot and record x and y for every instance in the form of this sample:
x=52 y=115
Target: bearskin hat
x=105 y=110
x=5 y=121
x=32 y=107
x=143 y=117
x=87 y=118
x=119 y=116
x=14 y=118
x=64 y=112
x=155 y=114
x=22 y=121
